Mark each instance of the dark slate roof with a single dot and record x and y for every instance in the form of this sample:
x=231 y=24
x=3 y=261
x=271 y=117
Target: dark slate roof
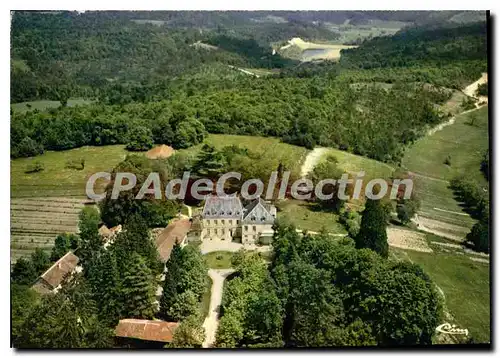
x=259 y=212
x=222 y=207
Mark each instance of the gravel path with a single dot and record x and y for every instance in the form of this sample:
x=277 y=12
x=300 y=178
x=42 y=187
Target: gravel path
x=311 y=160
x=212 y=321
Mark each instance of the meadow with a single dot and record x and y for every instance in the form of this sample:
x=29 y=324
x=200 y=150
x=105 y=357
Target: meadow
x=465 y=142
x=43 y=105
x=58 y=180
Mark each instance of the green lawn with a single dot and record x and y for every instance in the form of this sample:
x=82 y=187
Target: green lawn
x=465 y=284
x=43 y=105
x=355 y=163
x=307 y=216
x=272 y=150
x=466 y=144
x=219 y=259
x=55 y=179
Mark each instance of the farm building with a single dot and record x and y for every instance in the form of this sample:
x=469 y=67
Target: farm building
x=133 y=332
x=225 y=218
x=50 y=280
x=176 y=231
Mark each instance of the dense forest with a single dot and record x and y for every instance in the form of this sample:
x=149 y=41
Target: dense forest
x=153 y=78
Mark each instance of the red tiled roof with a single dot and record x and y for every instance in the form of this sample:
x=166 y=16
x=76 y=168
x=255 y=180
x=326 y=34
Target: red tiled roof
x=175 y=232
x=159 y=331
x=55 y=274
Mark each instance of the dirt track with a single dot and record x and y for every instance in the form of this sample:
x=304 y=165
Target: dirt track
x=312 y=160
x=471 y=89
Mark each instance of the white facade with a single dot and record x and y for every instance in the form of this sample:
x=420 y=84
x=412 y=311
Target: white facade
x=225 y=219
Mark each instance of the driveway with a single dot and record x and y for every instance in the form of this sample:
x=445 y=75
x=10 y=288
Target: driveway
x=212 y=321
x=219 y=245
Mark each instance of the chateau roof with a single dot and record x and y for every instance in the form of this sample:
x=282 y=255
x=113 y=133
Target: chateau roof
x=259 y=212
x=225 y=207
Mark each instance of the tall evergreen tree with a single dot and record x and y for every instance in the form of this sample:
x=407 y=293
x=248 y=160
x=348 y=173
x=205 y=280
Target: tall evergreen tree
x=138 y=289
x=372 y=233
x=104 y=279
x=185 y=282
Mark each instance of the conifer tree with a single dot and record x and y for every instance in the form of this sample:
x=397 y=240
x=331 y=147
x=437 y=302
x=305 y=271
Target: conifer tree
x=372 y=233
x=185 y=282
x=104 y=278
x=138 y=289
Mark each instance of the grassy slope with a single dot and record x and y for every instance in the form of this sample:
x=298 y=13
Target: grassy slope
x=305 y=216
x=465 y=284
x=55 y=179
x=466 y=145
x=354 y=163
x=272 y=149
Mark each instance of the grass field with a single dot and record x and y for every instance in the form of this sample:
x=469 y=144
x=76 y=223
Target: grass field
x=465 y=284
x=307 y=216
x=352 y=163
x=219 y=259
x=43 y=105
x=55 y=179
x=272 y=150
x=466 y=144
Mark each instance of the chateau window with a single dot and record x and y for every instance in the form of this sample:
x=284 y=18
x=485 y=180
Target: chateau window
x=215 y=222
x=230 y=222
x=255 y=228
x=208 y=231
x=223 y=231
x=222 y=222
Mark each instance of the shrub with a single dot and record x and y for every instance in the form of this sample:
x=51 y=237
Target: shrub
x=77 y=164
x=34 y=168
x=447 y=160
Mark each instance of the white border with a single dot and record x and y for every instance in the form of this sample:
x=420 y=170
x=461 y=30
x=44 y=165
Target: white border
x=198 y=5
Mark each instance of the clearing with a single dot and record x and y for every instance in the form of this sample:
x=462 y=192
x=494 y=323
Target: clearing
x=43 y=105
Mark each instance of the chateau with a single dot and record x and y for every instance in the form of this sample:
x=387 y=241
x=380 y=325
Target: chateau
x=225 y=218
